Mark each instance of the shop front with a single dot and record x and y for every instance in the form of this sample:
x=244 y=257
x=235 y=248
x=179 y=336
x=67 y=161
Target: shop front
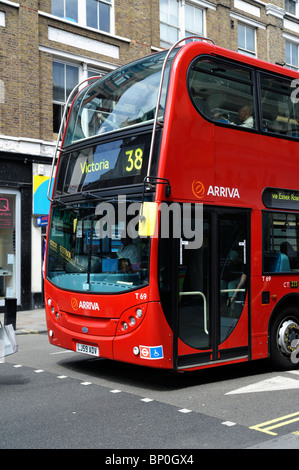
x=9 y=245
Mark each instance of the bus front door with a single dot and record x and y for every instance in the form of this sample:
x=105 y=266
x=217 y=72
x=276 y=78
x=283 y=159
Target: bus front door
x=213 y=281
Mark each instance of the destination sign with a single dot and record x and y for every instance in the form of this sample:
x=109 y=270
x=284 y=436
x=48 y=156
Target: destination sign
x=106 y=164
x=276 y=198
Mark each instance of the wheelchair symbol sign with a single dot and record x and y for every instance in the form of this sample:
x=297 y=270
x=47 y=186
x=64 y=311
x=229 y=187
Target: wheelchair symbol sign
x=151 y=352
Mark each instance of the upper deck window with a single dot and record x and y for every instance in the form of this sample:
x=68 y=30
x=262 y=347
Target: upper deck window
x=280 y=113
x=223 y=91
x=125 y=97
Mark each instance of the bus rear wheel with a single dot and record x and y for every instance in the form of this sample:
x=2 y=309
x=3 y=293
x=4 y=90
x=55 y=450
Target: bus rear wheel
x=284 y=339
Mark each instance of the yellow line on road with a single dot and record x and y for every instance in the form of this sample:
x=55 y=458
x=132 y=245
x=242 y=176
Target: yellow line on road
x=283 y=421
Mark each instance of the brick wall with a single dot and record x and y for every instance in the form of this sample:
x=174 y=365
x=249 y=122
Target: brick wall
x=26 y=72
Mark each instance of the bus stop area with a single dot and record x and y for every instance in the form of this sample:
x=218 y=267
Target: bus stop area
x=29 y=321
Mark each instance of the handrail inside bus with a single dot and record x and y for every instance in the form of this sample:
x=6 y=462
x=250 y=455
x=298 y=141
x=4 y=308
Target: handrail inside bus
x=200 y=38
x=205 y=317
x=61 y=128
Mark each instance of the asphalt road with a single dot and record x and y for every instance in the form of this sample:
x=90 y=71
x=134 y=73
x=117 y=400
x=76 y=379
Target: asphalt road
x=57 y=399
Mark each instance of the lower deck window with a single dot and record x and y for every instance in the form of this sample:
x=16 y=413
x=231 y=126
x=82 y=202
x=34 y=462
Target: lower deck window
x=280 y=242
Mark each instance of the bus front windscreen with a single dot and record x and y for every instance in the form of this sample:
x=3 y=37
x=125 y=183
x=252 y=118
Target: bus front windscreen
x=94 y=248
x=123 y=98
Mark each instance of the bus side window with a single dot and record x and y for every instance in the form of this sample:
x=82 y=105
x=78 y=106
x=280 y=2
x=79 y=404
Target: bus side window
x=219 y=90
x=281 y=242
x=279 y=114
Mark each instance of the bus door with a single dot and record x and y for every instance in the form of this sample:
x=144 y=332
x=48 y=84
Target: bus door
x=212 y=291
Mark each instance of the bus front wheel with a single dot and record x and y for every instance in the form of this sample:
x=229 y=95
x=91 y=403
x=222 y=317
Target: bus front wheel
x=284 y=339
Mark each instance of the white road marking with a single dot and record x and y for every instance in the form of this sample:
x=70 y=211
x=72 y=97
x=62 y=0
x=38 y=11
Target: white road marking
x=185 y=410
x=269 y=385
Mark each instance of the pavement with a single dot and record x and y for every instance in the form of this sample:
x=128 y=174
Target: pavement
x=29 y=321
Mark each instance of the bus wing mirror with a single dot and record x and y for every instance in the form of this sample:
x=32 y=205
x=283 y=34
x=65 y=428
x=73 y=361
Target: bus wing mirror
x=147 y=219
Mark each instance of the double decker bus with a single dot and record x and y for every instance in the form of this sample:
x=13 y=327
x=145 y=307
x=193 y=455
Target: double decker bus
x=174 y=227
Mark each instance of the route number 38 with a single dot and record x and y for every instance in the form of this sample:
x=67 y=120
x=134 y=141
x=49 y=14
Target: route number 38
x=134 y=160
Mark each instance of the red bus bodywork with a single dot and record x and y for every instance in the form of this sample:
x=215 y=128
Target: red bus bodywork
x=232 y=168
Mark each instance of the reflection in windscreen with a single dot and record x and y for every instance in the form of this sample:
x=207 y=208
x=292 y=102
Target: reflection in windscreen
x=123 y=98
x=86 y=254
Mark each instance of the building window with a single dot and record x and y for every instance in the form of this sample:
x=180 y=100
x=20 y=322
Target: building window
x=291 y=55
x=98 y=14
x=67 y=9
x=169 y=21
x=193 y=20
x=290 y=6
x=178 y=20
x=246 y=40
x=91 y=13
x=65 y=78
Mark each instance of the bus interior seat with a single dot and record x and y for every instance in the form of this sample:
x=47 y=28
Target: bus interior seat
x=270 y=113
x=275 y=262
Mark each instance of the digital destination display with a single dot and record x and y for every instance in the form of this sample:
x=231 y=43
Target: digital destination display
x=113 y=163
x=276 y=198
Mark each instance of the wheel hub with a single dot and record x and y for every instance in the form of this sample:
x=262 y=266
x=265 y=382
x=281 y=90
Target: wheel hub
x=287 y=333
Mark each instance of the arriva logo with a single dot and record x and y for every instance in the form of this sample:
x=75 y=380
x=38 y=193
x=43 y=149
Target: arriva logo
x=219 y=191
x=84 y=304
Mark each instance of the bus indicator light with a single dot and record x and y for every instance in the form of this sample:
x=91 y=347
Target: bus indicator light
x=139 y=312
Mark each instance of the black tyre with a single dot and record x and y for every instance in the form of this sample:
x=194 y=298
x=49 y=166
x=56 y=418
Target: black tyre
x=284 y=339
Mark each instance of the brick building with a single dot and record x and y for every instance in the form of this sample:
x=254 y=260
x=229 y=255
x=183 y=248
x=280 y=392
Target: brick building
x=47 y=46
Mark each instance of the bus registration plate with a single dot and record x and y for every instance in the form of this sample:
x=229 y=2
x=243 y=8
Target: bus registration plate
x=87 y=349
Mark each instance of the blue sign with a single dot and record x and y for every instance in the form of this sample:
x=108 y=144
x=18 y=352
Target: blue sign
x=151 y=352
x=42 y=221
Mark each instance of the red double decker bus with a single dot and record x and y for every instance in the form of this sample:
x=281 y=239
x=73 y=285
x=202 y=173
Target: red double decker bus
x=174 y=228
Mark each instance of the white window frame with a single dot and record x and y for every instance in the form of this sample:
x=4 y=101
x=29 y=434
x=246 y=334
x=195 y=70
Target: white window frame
x=82 y=16
x=57 y=102
x=83 y=69
x=291 y=65
x=245 y=50
x=296 y=9
x=181 y=20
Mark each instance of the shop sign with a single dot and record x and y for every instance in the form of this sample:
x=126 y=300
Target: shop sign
x=7 y=210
